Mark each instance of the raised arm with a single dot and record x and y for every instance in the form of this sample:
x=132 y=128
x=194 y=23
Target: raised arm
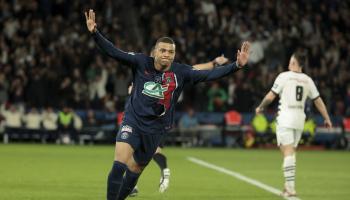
x=219 y=72
x=322 y=109
x=104 y=44
x=221 y=60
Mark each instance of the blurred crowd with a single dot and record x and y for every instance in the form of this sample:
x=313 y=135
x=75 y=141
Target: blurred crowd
x=47 y=57
x=208 y=28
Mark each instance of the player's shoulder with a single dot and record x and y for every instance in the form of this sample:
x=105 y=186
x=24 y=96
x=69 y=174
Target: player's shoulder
x=142 y=58
x=181 y=67
x=283 y=75
x=304 y=76
x=138 y=55
x=288 y=74
x=308 y=78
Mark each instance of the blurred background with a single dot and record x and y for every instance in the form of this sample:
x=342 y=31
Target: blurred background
x=57 y=87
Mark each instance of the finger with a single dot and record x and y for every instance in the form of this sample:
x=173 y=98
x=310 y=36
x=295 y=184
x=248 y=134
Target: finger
x=244 y=46
x=90 y=13
x=93 y=16
x=86 y=16
x=247 y=47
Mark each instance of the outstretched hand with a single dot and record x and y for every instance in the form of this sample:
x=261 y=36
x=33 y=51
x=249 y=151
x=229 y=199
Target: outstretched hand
x=243 y=54
x=90 y=21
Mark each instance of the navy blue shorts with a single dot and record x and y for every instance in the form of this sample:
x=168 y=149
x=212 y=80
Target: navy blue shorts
x=144 y=144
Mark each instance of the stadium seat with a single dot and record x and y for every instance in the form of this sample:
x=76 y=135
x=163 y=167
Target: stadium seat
x=232 y=133
x=346 y=126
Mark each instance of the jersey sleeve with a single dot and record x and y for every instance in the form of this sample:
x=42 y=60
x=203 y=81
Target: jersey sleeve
x=195 y=76
x=107 y=47
x=278 y=85
x=313 y=94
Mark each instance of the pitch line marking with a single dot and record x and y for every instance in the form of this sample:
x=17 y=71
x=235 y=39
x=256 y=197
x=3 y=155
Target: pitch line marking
x=239 y=176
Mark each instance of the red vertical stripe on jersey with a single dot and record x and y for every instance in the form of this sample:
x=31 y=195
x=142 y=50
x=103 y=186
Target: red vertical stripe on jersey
x=168 y=81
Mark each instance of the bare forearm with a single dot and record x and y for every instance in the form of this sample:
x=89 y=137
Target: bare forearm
x=321 y=107
x=265 y=102
x=268 y=99
x=204 y=66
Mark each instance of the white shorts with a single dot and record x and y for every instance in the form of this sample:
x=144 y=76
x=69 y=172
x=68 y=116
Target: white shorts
x=286 y=136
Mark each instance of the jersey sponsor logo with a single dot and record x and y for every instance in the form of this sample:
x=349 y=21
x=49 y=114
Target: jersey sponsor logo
x=155 y=90
x=162 y=90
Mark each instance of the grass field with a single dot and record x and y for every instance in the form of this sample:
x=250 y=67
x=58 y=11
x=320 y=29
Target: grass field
x=50 y=172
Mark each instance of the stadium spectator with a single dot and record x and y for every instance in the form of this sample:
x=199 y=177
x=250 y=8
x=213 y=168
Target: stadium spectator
x=32 y=120
x=13 y=119
x=36 y=88
x=260 y=126
x=49 y=123
x=13 y=116
x=3 y=88
x=66 y=126
x=188 y=126
x=217 y=98
x=121 y=82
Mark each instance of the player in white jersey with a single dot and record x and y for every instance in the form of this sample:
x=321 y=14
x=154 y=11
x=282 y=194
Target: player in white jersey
x=293 y=87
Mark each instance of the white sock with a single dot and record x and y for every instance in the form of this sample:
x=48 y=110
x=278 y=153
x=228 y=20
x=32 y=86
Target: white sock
x=289 y=166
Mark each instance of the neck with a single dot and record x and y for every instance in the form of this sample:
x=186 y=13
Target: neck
x=296 y=70
x=161 y=68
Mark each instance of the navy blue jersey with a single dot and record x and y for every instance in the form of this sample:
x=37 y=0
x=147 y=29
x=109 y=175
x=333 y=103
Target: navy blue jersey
x=155 y=93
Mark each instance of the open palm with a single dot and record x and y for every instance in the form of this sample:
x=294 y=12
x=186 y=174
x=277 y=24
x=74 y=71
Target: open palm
x=243 y=54
x=90 y=20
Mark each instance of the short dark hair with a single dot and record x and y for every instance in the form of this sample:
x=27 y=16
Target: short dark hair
x=301 y=58
x=165 y=40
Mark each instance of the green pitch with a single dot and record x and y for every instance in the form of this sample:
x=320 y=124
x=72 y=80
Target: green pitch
x=50 y=172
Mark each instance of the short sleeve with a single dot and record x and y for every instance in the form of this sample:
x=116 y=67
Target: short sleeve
x=313 y=94
x=278 y=85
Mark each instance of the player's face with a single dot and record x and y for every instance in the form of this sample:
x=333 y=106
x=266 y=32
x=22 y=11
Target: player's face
x=164 y=54
x=293 y=64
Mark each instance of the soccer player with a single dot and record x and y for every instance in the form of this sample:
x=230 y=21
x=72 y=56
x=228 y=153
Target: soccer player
x=149 y=112
x=293 y=87
x=159 y=157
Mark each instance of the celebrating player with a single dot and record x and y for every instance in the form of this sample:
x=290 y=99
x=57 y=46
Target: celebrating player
x=159 y=157
x=149 y=112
